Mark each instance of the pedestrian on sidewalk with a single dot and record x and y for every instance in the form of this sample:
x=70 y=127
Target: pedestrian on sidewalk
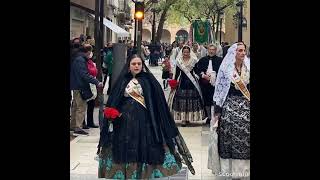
x=166 y=71
x=79 y=84
x=93 y=71
x=131 y=50
x=232 y=114
x=142 y=143
x=108 y=61
x=147 y=53
x=74 y=50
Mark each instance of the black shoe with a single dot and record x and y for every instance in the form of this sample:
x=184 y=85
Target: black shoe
x=80 y=132
x=93 y=126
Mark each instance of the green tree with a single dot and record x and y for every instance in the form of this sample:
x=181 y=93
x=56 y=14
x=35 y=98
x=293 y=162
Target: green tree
x=161 y=7
x=204 y=9
x=172 y=11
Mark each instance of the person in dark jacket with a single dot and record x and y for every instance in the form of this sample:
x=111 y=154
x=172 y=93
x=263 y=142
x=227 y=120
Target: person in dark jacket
x=108 y=64
x=74 y=49
x=207 y=69
x=93 y=71
x=79 y=82
x=131 y=50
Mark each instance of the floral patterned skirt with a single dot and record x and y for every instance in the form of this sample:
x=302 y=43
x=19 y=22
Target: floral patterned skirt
x=110 y=170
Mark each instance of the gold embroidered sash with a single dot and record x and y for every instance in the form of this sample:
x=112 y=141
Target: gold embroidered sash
x=241 y=85
x=132 y=92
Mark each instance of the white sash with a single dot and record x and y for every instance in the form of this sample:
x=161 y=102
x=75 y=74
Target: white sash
x=192 y=79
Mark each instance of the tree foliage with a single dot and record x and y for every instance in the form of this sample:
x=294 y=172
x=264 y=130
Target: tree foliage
x=183 y=12
x=202 y=9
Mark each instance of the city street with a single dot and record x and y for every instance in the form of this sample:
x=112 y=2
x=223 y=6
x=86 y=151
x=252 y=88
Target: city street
x=83 y=150
x=210 y=38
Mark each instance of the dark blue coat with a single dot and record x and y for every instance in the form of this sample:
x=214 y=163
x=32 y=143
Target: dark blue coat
x=79 y=75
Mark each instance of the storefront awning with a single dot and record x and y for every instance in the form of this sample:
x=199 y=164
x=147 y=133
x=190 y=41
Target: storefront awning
x=115 y=28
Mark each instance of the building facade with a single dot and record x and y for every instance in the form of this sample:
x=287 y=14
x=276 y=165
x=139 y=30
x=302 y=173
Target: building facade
x=82 y=21
x=232 y=27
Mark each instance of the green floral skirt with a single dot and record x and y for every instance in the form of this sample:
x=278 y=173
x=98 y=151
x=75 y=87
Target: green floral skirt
x=110 y=170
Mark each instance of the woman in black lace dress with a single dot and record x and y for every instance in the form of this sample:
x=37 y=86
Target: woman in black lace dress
x=232 y=110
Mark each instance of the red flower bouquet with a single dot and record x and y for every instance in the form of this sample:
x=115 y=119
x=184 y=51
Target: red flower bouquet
x=111 y=113
x=173 y=83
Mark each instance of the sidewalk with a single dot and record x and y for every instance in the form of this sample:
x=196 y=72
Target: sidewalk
x=83 y=149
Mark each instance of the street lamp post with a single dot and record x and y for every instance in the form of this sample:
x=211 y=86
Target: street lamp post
x=154 y=22
x=98 y=36
x=101 y=23
x=135 y=30
x=138 y=16
x=135 y=33
x=217 y=27
x=154 y=26
x=139 y=37
x=240 y=4
x=221 y=17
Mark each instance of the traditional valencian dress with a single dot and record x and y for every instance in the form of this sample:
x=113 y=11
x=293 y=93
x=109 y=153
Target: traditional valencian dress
x=186 y=101
x=143 y=142
x=232 y=99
